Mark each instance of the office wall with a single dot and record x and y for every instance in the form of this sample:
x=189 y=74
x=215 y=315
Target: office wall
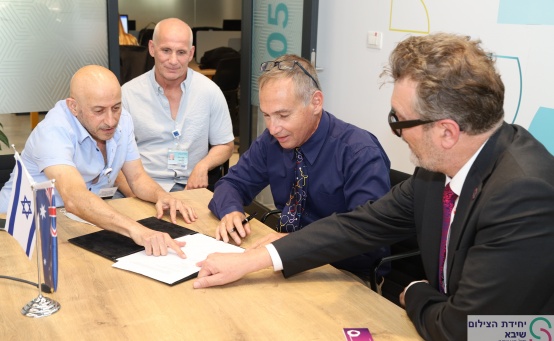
x=523 y=42
x=194 y=12
x=42 y=44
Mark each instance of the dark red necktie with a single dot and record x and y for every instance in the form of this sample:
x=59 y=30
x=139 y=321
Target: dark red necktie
x=448 y=200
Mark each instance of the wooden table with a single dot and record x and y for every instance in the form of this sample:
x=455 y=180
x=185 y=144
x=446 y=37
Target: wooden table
x=99 y=302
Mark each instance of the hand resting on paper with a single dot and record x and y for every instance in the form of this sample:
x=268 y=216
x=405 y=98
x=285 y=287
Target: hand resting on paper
x=156 y=243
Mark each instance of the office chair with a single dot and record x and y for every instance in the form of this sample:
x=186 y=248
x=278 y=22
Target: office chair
x=133 y=62
x=268 y=214
x=227 y=77
x=405 y=261
x=145 y=35
x=217 y=173
x=227 y=73
x=7 y=164
x=400 y=250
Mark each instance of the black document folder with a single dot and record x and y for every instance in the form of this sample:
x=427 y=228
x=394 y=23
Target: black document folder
x=113 y=245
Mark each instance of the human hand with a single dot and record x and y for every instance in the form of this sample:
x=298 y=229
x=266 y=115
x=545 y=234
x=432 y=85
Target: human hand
x=168 y=202
x=402 y=299
x=156 y=243
x=223 y=268
x=197 y=179
x=231 y=226
x=270 y=238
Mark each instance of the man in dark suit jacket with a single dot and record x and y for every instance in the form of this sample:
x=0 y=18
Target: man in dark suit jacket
x=447 y=105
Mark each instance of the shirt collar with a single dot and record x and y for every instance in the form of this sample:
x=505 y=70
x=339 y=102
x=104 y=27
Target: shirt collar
x=158 y=88
x=457 y=182
x=312 y=147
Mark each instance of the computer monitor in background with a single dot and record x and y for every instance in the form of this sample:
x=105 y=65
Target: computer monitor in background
x=125 y=21
x=231 y=24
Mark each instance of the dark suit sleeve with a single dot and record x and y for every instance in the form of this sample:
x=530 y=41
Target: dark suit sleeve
x=504 y=259
x=340 y=236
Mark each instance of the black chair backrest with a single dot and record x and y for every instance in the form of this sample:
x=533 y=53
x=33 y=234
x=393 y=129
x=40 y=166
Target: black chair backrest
x=397 y=177
x=227 y=77
x=7 y=163
x=405 y=262
x=145 y=35
x=217 y=173
x=211 y=58
x=133 y=61
x=227 y=74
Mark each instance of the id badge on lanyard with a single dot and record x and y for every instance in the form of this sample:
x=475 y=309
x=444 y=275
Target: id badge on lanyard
x=177 y=157
x=107 y=192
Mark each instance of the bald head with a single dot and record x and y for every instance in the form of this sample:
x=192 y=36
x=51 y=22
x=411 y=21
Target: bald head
x=93 y=79
x=172 y=28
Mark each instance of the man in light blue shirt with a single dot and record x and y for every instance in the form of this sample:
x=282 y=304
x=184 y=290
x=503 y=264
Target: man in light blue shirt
x=83 y=143
x=178 y=114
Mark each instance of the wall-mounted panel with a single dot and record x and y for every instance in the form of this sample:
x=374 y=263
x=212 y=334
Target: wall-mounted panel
x=42 y=43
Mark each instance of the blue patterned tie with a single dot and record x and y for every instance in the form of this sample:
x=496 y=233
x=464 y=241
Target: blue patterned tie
x=294 y=208
x=448 y=200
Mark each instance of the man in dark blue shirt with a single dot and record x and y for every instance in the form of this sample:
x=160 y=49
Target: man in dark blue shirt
x=345 y=166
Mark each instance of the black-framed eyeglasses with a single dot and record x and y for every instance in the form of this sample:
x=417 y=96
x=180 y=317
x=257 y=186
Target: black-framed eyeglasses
x=286 y=65
x=397 y=125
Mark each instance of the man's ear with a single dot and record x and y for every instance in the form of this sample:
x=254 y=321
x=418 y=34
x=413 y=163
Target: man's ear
x=151 y=48
x=72 y=105
x=191 y=52
x=317 y=101
x=450 y=133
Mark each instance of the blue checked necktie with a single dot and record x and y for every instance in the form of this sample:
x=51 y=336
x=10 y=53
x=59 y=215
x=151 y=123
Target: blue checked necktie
x=292 y=212
x=448 y=200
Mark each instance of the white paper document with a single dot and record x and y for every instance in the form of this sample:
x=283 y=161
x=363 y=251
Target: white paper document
x=172 y=268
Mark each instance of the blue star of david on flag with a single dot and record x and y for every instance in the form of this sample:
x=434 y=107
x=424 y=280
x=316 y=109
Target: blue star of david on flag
x=26 y=207
x=20 y=220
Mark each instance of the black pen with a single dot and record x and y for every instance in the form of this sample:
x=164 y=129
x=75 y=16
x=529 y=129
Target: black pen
x=244 y=221
x=250 y=217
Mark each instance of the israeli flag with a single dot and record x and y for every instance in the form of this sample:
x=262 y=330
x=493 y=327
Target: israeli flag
x=20 y=220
